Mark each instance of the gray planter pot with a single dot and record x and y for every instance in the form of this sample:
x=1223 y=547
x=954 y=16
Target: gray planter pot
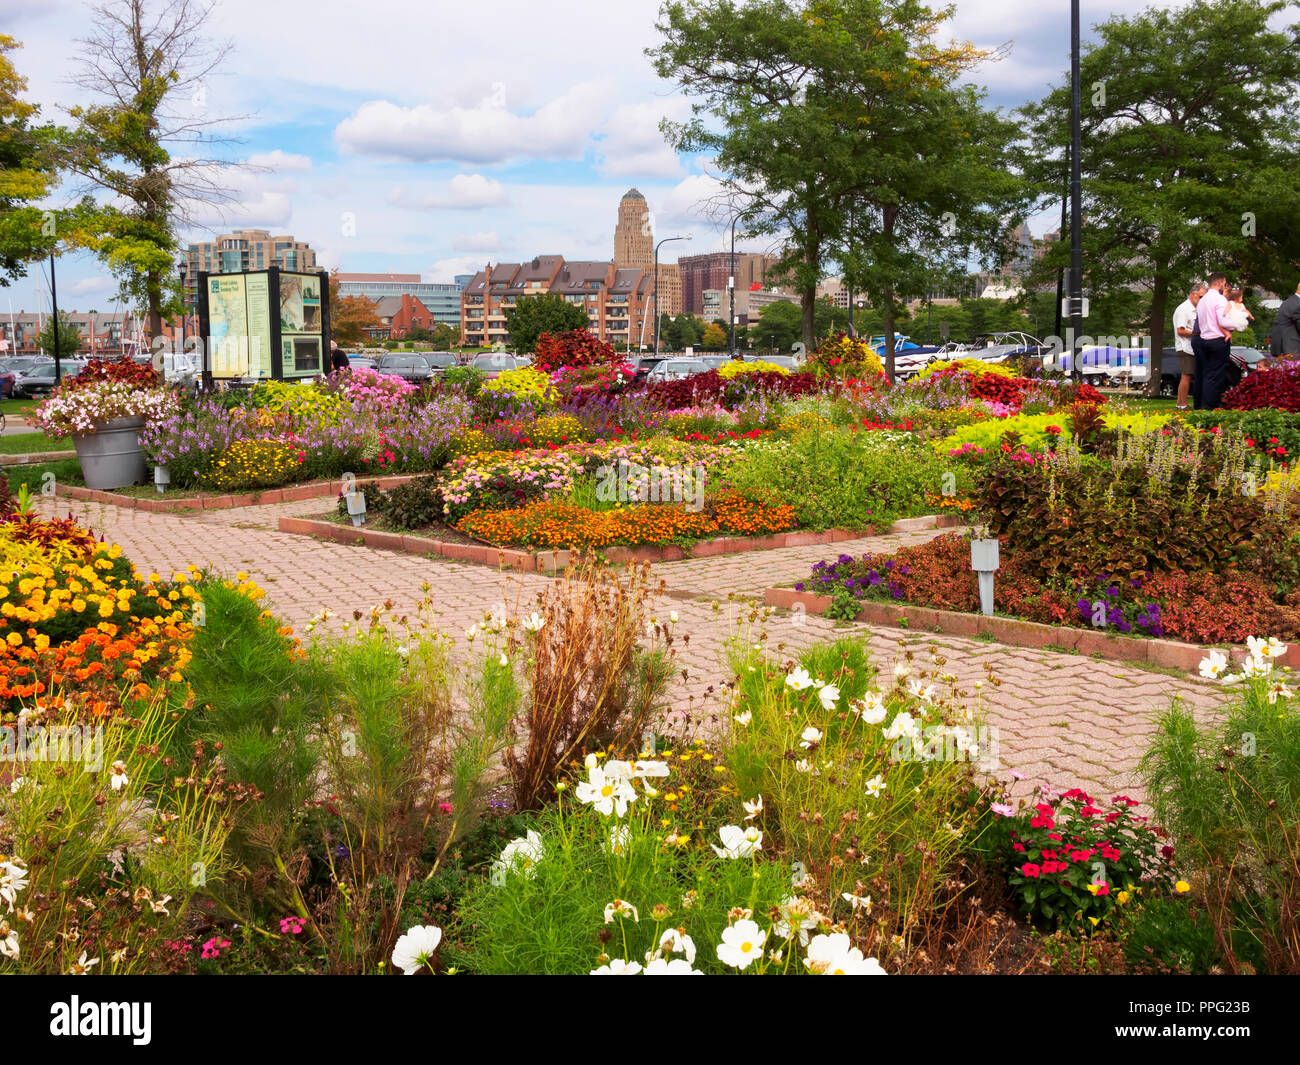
x=110 y=457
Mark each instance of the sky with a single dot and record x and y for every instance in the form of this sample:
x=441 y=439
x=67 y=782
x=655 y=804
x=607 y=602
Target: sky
x=432 y=138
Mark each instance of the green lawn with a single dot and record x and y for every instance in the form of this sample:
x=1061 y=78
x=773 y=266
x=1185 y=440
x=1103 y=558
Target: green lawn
x=31 y=443
x=67 y=470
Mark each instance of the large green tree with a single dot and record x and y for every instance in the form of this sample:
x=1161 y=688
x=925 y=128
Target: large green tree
x=27 y=173
x=816 y=110
x=141 y=146
x=549 y=312
x=1190 y=159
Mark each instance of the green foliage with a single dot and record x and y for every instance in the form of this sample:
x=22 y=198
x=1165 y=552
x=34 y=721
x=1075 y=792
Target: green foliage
x=1229 y=791
x=69 y=337
x=841 y=479
x=469 y=378
x=549 y=312
x=1184 y=171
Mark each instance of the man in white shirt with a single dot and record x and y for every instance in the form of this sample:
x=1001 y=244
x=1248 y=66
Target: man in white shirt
x=1216 y=341
x=1184 y=328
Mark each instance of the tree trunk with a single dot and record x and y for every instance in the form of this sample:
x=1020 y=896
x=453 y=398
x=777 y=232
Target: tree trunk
x=808 y=303
x=1159 y=297
x=889 y=334
x=154 y=289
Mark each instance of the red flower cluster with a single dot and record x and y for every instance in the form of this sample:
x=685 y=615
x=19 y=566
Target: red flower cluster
x=576 y=347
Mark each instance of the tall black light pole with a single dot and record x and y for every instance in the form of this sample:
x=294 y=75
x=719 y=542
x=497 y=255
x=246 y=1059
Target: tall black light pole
x=657 y=247
x=54 y=317
x=731 y=344
x=1076 y=187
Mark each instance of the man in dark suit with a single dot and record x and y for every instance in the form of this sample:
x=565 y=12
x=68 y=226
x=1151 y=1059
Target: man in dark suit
x=1286 y=327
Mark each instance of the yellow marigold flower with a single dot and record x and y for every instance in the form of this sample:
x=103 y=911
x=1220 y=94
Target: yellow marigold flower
x=1182 y=887
x=14 y=639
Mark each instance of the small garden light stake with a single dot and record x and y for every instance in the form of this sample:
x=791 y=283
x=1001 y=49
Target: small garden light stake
x=357 y=507
x=161 y=478
x=984 y=561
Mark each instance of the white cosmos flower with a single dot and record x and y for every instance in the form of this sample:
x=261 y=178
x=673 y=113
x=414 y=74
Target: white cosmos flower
x=810 y=738
x=799 y=878
x=1257 y=665
x=673 y=967
x=618 y=967
x=649 y=769
x=415 y=949
x=13 y=875
x=875 y=786
x=618 y=908
x=798 y=915
x=741 y=944
x=609 y=794
x=619 y=837
x=119 y=779
x=738 y=842
x=672 y=616
x=857 y=902
x=923 y=692
x=805 y=766
x=903 y=725
x=471 y=632
x=19 y=783
x=504 y=660
x=799 y=680
x=675 y=941
x=83 y=965
x=743 y=718
x=752 y=809
x=1214 y=665
x=533 y=623
x=901 y=669
x=835 y=955
x=520 y=855
x=871 y=708
x=829 y=695
x=1262 y=648
x=8 y=941
x=1278 y=688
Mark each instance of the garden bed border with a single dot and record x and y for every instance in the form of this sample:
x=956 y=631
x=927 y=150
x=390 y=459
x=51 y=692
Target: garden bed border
x=35 y=458
x=1169 y=654
x=551 y=560
x=166 y=503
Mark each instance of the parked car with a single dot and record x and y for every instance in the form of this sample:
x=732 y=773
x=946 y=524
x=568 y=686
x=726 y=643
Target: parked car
x=39 y=378
x=713 y=362
x=645 y=363
x=7 y=378
x=361 y=362
x=1245 y=361
x=409 y=367
x=493 y=364
x=439 y=361
x=786 y=362
x=676 y=370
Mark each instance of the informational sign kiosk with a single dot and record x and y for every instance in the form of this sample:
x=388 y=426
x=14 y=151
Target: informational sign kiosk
x=263 y=325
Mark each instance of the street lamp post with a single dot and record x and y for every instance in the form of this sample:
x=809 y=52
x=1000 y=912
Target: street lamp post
x=657 y=247
x=1076 y=184
x=731 y=284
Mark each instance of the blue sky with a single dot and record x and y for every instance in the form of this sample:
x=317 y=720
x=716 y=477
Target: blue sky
x=430 y=139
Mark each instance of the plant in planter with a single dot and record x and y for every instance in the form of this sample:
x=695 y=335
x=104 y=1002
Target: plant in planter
x=104 y=410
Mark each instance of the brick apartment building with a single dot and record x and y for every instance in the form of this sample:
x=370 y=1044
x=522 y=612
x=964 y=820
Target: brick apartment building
x=398 y=315
x=617 y=301
x=101 y=334
x=699 y=273
x=244 y=249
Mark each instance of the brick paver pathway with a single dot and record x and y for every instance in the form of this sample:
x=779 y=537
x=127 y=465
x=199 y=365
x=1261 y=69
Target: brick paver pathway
x=1061 y=719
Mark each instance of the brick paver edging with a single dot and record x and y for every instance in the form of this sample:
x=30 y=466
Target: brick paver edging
x=550 y=560
x=34 y=458
x=1167 y=653
x=165 y=504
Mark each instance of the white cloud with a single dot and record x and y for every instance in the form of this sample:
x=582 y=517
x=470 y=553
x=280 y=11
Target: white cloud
x=631 y=145
x=445 y=270
x=464 y=192
x=486 y=133
x=476 y=242
x=90 y=286
x=281 y=161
